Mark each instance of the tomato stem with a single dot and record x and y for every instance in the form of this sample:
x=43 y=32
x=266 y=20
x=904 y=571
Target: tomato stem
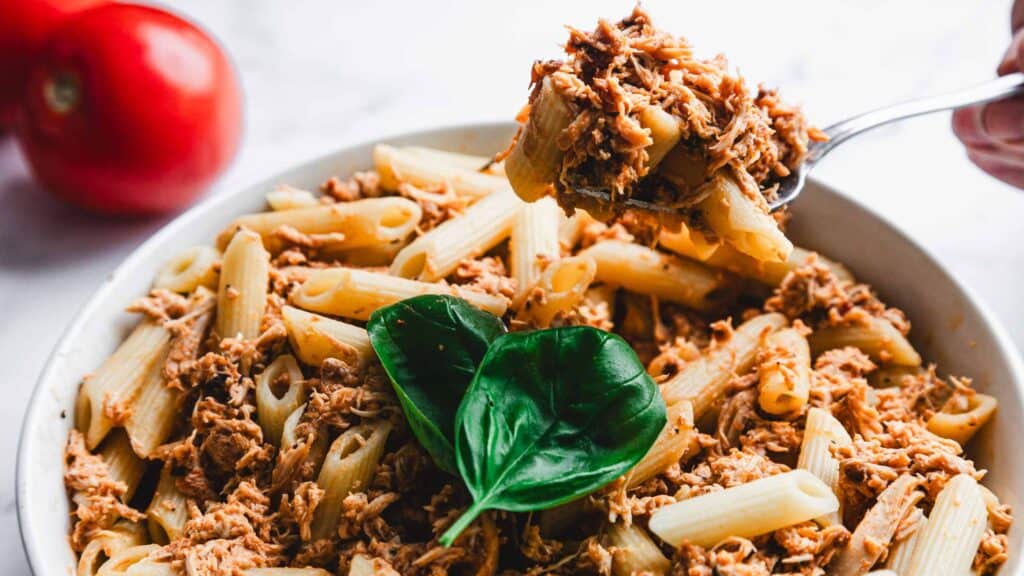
x=61 y=92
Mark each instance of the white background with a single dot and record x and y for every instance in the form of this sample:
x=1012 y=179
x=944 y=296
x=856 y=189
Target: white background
x=320 y=74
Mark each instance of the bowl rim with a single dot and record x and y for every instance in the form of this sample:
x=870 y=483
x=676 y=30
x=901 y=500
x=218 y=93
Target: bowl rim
x=30 y=540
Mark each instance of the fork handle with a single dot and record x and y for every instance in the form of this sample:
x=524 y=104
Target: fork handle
x=1009 y=85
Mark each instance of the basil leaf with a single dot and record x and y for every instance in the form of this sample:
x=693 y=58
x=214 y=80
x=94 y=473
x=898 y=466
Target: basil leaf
x=551 y=416
x=430 y=347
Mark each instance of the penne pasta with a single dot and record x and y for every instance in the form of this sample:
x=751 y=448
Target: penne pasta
x=280 y=390
x=536 y=159
x=821 y=432
x=472 y=162
x=634 y=552
x=155 y=409
x=108 y=393
x=962 y=417
x=315 y=338
x=689 y=243
x=122 y=463
x=242 y=293
x=168 y=510
x=561 y=287
x=784 y=373
x=703 y=381
x=533 y=243
x=288 y=198
x=876 y=337
x=954 y=530
x=398 y=165
x=133 y=561
x=902 y=551
x=437 y=253
x=107 y=544
x=353 y=293
x=665 y=131
x=341 y=225
x=647 y=271
x=348 y=467
x=195 y=267
x=743 y=221
x=746 y=510
x=678 y=439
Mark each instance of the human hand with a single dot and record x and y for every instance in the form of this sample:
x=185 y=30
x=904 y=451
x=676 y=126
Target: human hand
x=993 y=133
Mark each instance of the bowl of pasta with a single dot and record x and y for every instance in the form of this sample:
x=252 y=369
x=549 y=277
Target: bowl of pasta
x=384 y=362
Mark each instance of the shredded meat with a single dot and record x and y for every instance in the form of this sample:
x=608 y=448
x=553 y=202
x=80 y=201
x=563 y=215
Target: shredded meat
x=814 y=294
x=98 y=498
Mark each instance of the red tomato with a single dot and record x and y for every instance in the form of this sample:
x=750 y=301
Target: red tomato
x=130 y=110
x=24 y=27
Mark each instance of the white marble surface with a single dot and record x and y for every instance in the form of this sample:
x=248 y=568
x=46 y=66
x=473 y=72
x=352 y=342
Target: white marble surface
x=320 y=74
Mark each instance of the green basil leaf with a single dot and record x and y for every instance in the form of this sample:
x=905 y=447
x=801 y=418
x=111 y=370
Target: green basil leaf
x=430 y=347
x=551 y=416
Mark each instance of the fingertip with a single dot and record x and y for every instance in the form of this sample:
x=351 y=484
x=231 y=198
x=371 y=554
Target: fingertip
x=1002 y=121
x=967 y=125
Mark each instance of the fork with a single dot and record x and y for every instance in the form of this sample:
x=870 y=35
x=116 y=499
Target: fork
x=791 y=186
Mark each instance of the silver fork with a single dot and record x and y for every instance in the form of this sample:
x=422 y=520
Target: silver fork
x=791 y=186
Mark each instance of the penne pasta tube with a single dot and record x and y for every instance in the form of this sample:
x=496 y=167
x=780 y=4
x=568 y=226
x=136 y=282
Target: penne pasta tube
x=398 y=165
x=536 y=159
x=153 y=411
x=108 y=543
x=244 y=281
x=379 y=256
x=821 y=432
x=367 y=222
x=122 y=463
x=315 y=338
x=902 y=551
x=473 y=162
x=353 y=293
x=950 y=539
x=533 y=243
x=688 y=242
x=876 y=529
x=195 y=267
x=704 y=380
x=746 y=510
x=634 y=552
x=784 y=373
x=876 y=337
x=437 y=253
x=562 y=286
x=961 y=417
x=570 y=229
x=133 y=561
x=647 y=271
x=280 y=390
x=168 y=510
x=665 y=132
x=743 y=221
x=288 y=198
x=348 y=467
x=109 y=392
x=677 y=439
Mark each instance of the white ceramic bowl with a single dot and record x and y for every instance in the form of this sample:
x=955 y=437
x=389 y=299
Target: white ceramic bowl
x=951 y=327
